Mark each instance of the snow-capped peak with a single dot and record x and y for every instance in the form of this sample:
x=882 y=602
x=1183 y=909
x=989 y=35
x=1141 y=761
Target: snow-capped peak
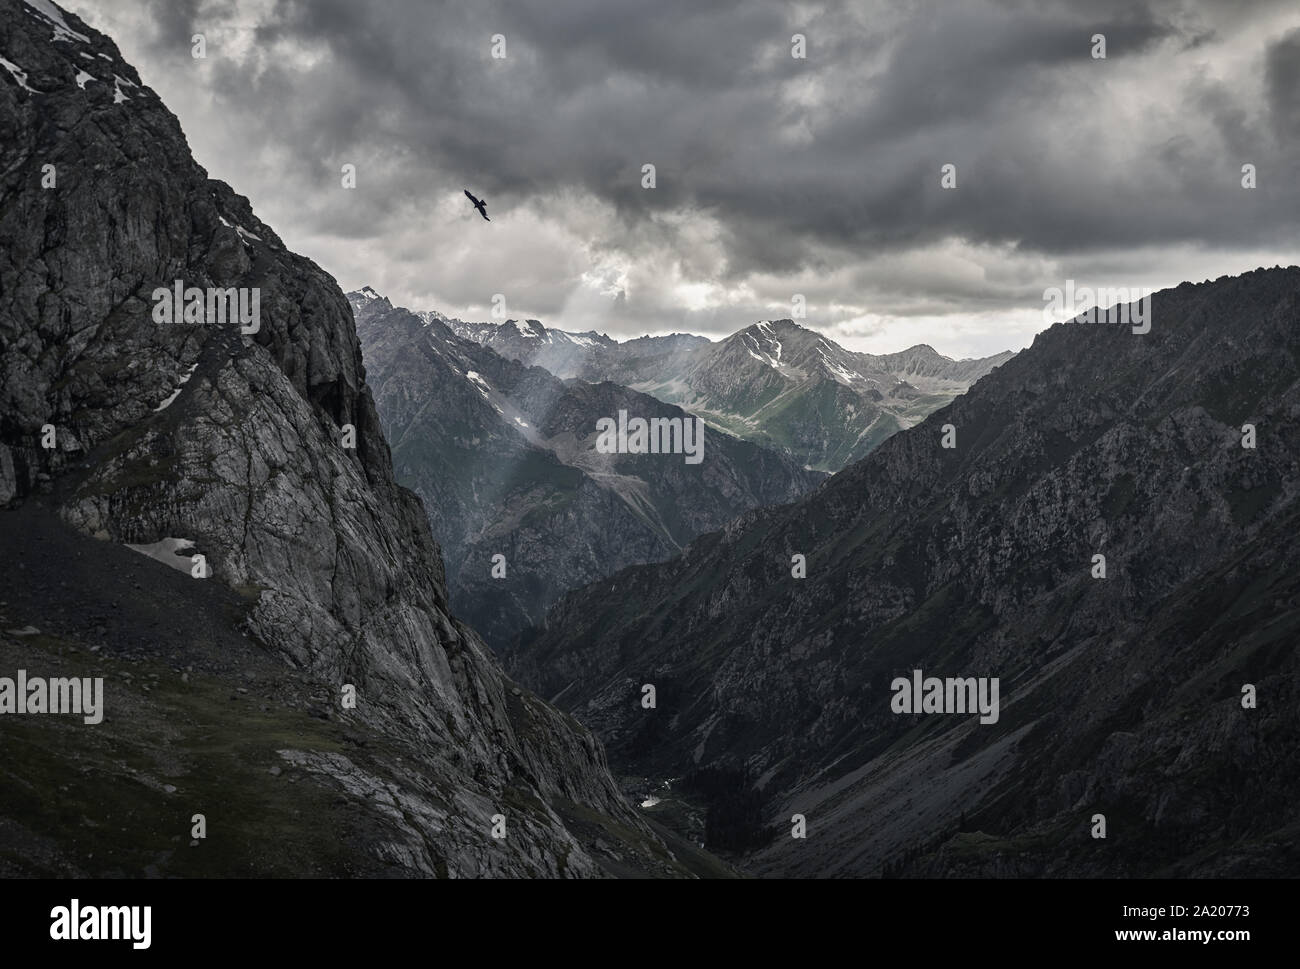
x=368 y=293
x=831 y=358
x=531 y=329
x=761 y=341
x=579 y=339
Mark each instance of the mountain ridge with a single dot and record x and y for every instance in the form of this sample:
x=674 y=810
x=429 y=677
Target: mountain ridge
x=824 y=406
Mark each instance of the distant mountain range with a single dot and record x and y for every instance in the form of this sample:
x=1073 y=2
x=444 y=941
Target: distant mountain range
x=1124 y=680
x=786 y=386
x=504 y=456
x=591 y=356
x=776 y=383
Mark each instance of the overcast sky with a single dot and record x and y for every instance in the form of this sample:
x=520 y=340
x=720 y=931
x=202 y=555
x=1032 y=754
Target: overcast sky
x=775 y=175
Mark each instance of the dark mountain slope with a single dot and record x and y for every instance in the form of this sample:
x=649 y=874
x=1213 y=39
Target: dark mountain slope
x=1119 y=695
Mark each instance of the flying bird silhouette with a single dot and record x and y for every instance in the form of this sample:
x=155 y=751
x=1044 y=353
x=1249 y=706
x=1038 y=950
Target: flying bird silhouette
x=478 y=204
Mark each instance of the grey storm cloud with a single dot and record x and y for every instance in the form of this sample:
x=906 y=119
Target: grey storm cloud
x=803 y=167
x=1284 y=88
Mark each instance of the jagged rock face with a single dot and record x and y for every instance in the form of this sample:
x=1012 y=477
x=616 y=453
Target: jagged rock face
x=504 y=457
x=1119 y=696
x=335 y=561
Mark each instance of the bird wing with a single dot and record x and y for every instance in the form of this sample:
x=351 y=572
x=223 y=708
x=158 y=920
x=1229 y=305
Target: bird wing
x=472 y=198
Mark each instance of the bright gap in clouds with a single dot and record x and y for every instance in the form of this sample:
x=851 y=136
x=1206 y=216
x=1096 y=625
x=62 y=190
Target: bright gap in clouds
x=776 y=177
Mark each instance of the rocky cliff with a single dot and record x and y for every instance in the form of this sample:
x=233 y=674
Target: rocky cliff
x=261 y=451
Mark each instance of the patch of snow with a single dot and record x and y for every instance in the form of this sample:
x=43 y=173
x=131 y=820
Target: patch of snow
x=169 y=551
x=525 y=331
x=83 y=77
x=369 y=293
x=848 y=376
x=479 y=382
x=522 y=423
x=54 y=15
x=245 y=235
x=765 y=328
x=585 y=342
x=177 y=392
x=650 y=801
x=168 y=401
x=765 y=358
x=19 y=75
x=118 y=95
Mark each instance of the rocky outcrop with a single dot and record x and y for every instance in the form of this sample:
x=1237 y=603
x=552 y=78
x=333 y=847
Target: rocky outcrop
x=262 y=449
